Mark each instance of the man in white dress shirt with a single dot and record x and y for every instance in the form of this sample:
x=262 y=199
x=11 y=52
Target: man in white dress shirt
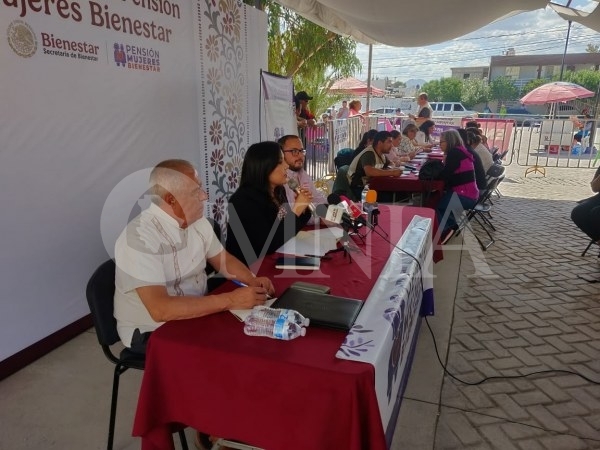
x=161 y=257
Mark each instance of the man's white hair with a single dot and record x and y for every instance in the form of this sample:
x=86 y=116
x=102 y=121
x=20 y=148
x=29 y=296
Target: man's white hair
x=168 y=177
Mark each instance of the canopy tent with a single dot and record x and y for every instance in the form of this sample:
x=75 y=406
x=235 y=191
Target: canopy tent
x=403 y=23
x=590 y=20
x=351 y=85
x=398 y=23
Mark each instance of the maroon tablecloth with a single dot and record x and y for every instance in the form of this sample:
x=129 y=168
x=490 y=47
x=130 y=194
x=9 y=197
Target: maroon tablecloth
x=410 y=183
x=205 y=373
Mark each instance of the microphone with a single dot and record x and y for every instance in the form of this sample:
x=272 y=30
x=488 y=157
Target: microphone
x=294 y=186
x=353 y=208
x=337 y=214
x=331 y=213
x=341 y=200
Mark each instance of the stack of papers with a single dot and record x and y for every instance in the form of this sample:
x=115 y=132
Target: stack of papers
x=313 y=243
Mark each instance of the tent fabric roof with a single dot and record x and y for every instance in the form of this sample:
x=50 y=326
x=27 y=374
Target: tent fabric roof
x=402 y=23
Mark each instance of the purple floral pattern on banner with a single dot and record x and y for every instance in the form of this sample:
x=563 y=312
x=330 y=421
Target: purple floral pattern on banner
x=355 y=343
x=223 y=99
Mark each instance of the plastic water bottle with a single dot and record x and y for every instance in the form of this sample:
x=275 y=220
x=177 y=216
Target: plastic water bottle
x=278 y=328
x=274 y=313
x=363 y=196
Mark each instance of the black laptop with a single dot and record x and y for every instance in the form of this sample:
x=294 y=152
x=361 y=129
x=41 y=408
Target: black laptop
x=323 y=310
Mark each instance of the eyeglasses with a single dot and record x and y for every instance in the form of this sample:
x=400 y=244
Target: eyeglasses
x=295 y=151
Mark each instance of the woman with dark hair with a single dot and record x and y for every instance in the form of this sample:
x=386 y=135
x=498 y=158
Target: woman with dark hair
x=260 y=219
x=476 y=143
x=366 y=140
x=468 y=139
x=423 y=137
x=459 y=180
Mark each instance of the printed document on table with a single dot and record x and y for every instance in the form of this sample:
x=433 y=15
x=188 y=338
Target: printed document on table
x=314 y=242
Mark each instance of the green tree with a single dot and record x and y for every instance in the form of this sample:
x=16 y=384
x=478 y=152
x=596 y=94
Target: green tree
x=313 y=56
x=593 y=48
x=532 y=84
x=475 y=91
x=433 y=89
x=503 y=89
x=589 y=79
x=443 y=90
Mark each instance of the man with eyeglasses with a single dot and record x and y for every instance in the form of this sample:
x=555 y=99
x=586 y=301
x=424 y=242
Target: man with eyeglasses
x=294 y=155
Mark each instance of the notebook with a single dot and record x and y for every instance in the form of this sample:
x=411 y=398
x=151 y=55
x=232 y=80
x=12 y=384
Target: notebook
x=323 y=310
x=298 y=263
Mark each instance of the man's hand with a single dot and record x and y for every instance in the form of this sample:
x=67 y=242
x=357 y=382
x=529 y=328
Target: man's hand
x=263 y=282
x=247 y=297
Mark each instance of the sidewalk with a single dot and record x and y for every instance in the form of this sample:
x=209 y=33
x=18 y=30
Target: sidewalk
x=513 y=310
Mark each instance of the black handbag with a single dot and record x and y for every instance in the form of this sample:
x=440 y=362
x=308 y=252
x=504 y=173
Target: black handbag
x=431 y=170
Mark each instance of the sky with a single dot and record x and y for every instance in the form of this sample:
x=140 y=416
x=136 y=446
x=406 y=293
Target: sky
x=537 y=32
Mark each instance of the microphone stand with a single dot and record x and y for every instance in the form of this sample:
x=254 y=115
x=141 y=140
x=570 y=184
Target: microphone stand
x=373 y=222
x=345 y=247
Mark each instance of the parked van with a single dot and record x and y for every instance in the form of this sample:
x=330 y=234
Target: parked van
x=451 y=109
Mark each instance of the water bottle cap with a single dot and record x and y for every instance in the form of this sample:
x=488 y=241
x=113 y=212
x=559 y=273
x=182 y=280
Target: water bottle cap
x=306 y=322
x=302 y=331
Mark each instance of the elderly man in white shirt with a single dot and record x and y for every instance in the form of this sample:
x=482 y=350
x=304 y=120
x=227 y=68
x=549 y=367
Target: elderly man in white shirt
x=161 y=256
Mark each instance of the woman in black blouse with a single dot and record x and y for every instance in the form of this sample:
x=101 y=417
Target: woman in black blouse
x=260 y=219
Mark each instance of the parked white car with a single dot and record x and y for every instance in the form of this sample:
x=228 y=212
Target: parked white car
x=451 y=109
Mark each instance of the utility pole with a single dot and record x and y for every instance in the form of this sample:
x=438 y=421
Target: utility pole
x=562 y=66
x=369 y=78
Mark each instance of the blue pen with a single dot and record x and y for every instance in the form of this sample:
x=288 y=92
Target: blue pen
x=239 y=283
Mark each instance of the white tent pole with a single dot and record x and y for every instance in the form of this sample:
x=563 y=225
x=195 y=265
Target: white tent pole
x=369 y=78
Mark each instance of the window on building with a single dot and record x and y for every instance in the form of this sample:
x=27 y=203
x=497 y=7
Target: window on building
x=513 y=72
x=466 y=75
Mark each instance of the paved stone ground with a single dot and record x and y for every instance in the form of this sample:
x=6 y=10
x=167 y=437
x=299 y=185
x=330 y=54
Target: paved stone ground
x=529 y=313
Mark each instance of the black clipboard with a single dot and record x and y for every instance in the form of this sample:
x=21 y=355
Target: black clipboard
x=323 y=310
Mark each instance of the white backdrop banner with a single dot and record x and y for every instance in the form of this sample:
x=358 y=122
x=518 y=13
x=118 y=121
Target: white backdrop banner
x=229 y=61
x=94 y=93
x=278 y=101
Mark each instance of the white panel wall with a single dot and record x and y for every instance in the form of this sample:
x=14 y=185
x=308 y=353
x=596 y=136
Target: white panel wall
x=70 y=130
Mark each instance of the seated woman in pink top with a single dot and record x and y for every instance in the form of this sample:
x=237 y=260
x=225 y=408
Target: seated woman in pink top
x=461 y=190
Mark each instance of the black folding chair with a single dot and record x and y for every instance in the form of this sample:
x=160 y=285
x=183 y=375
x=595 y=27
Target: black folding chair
x=481 y=212
x=592 y=242
x=100 y=296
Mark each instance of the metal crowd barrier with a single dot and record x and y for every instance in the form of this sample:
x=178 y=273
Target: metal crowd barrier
x=541 y=144
x=322 y=144
x=549 y=143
